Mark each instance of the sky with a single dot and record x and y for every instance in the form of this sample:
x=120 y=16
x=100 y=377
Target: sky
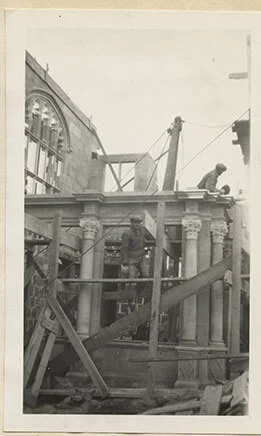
x=133 y=83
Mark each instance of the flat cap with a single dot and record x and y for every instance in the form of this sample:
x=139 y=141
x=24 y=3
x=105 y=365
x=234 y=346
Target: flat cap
x=221 y=166
x=136 y=218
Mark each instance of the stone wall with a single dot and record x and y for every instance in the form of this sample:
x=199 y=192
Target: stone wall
x=82 y=136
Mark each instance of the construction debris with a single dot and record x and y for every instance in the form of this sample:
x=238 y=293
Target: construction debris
x=216 y=400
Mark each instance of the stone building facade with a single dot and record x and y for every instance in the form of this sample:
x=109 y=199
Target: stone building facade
x=60 y=140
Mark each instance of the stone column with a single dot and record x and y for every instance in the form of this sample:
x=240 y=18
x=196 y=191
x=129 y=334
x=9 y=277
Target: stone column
x=218 y=230
x=90 y=226
x=192 y=227
x=187 y=348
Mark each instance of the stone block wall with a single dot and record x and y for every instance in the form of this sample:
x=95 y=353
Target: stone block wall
x=83 y=140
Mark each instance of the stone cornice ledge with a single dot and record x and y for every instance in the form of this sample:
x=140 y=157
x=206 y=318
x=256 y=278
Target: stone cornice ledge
x=52 y=199
x=130 y=197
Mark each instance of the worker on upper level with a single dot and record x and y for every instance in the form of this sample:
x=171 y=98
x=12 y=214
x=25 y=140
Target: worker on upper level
x=209 y=181
x=133 y=259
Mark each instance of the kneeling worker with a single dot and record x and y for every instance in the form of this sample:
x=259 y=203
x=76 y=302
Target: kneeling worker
x=209 y=181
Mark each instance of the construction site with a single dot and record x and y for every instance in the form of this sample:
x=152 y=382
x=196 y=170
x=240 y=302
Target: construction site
x=101 y=337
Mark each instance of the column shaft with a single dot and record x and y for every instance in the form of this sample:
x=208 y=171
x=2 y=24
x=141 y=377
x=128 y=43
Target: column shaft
x=189 y=316
x=90 y=227
x=218 y=229
x=190 y=304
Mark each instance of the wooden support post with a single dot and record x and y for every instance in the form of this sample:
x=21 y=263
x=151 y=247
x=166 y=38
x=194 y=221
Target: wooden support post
x=37 y=336
x=210 y=403
x=169 y=298
x=33 y=347
x=54 y=251
x=236 y=282
x=107 y=160
x=155 y=300
x=78 y=346
x=32 y=397
x=170 y=174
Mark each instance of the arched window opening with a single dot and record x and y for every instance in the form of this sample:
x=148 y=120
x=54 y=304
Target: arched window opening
x=46 y=143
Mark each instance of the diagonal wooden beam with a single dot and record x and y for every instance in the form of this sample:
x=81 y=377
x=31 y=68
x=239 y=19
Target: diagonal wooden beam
x=36 y=266
x=78 y=346
x=28 y=275
x=169 y=298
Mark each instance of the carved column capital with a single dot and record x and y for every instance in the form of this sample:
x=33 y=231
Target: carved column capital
x=219 y=230
x=192 y=227
x=90 y=227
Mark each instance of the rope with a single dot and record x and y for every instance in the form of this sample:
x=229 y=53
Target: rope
x=211 y=142
x=208 y=126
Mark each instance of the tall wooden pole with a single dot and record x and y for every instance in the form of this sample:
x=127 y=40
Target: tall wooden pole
x=236 y=282
x=170 y=174
x=155 y=300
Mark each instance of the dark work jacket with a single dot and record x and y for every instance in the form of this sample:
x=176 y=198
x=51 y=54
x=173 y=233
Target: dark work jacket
x=209 y=181
x=132 y=245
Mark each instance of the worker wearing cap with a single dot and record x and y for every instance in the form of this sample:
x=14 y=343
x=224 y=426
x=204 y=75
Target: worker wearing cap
x=133 y=260
x=209 y=181
x=134 y=264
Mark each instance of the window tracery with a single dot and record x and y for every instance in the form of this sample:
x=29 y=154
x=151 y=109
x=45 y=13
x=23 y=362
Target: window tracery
x=46 y=143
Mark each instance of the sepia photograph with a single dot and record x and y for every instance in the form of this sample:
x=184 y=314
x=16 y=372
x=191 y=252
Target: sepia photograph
x=135 y=254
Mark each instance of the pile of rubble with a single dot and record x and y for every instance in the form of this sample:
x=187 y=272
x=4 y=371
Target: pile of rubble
x=225 y=398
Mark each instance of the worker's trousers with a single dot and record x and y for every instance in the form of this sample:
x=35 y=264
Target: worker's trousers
x=136 y=268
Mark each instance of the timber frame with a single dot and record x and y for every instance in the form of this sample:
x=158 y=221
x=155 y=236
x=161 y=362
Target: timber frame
x=47 y=215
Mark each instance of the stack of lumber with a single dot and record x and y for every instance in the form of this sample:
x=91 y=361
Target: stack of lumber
x=225 y=398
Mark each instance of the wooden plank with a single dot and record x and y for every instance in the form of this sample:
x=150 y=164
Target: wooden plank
x=150 y=226
x=54 y=251
x=78 y=346
x=169 y=298
x=241 y=356
x=43 y=363
x=124 y=158
x=166 y=394
x=50 y=325
x=240 y=389
x=174 y=408
x=181 y=407
x=58 y=392
x=125 y=295
x=155 y=300
x=127 y=280
x=34 y=345
x=32 y=242
x=36 y=266
x=42 y=228
x=210 y=403
x=236 y=282
x=28 y=275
